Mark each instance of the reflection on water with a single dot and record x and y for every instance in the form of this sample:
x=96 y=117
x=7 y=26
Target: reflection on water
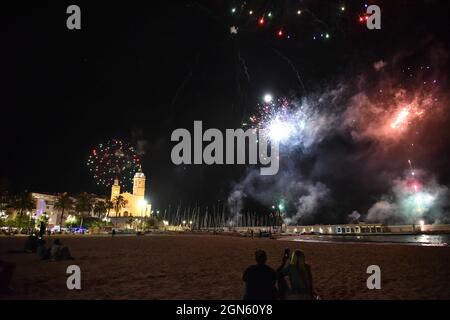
x=422 y=240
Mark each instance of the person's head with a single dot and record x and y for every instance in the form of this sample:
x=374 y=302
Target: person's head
x=298 y=258
x=57 y=242
x=260 y=257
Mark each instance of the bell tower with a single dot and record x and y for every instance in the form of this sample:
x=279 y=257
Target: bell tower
x=115 y=189
x=139 y=184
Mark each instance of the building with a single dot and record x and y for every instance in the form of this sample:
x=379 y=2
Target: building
x=338 y=229
x=136 y=204
x=45 y=205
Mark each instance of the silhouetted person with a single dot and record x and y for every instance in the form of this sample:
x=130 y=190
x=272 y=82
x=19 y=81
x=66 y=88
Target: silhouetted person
x=113 y=233
x=31 y=243
x=260 y=279
x=42 y=229
x=296 y=277
x=42 y=251
x=58 y=252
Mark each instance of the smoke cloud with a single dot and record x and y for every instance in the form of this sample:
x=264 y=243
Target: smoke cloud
x=356 y=150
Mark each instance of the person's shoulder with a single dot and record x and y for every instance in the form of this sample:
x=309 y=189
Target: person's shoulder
x=269 y=268
x=250 y=268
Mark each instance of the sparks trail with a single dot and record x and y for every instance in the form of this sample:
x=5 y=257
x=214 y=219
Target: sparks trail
x=181 y=86
x=291 y=64
x=185 y=80
x=244 y=65
x=315 y=17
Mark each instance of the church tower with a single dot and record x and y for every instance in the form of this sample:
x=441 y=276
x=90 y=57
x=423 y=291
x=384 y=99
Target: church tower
x=115 y=190
x=139 y=184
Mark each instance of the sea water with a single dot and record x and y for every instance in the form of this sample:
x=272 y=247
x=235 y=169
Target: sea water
x=420 y=240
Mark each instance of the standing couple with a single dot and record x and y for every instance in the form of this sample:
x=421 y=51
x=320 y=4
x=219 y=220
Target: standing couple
x=291 y=281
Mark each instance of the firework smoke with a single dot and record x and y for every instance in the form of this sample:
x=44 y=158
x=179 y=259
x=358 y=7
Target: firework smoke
x=362 y=133
x=410 y=201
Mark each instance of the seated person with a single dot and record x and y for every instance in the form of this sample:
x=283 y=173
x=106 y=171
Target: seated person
x=42 y=251
x=260 y=279
x=31 y=243
x=299 y=284
x=58 y=252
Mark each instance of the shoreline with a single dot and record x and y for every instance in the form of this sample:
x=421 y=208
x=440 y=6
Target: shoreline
x=419 y=244
x=303 y=238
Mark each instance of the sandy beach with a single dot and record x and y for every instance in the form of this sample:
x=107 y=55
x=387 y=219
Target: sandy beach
x=210 y=267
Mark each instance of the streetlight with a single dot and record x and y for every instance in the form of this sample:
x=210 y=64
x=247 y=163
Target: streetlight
x=422 y=224
x=29 y=220
x=143 y=205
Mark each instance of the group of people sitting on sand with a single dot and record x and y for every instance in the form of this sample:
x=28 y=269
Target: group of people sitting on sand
x=33 y=244
x=56 y=252
x=291 y=281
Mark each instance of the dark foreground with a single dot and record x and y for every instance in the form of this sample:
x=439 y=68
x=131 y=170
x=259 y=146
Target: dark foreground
x=210 y=267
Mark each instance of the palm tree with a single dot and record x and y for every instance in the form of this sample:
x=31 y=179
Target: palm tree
x=100 y=208
x=63 y=203
x=108 y=205
x=119 y=203
x=23 y=203
x=84 y=205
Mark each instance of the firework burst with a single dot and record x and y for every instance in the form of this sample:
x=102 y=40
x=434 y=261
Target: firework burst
x=114 y=159
x=289 y=122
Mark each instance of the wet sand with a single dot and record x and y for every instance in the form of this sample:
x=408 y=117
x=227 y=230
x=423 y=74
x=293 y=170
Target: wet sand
x=210 y=267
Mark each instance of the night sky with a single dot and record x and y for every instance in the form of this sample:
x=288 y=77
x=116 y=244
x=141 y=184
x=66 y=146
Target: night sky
x=138 y=70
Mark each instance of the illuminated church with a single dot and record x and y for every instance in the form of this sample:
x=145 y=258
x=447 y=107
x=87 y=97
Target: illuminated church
x=136 y=205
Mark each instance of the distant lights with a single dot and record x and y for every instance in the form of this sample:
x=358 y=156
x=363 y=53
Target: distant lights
x=299 y=12
x=363 y=18
x=261 y=21
x=233 y=10
x=422 y=224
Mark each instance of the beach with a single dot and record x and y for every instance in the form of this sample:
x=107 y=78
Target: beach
x=191 y=266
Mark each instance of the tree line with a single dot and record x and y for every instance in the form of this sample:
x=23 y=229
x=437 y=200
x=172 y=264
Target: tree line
x=84 y=204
